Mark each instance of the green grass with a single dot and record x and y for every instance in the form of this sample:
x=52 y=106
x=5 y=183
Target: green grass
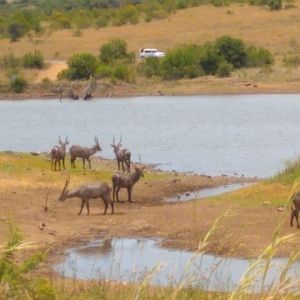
x=272 y=191
x=289 y=174
x=21 y=164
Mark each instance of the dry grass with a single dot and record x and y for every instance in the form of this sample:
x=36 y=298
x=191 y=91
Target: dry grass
x=277 y=31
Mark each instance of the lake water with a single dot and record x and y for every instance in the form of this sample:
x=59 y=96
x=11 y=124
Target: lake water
x=247 y=134
x=128 y=260
x=206 y=193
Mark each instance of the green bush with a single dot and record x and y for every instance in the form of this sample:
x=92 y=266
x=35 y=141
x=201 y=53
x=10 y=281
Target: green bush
x=18 y=84
x=34 y=60
x=80 y=66
x=233 y=50
x=121 y=72
x=115 y=49
x=102 y=21
x=258 y=56
x=126 y=14
x=150 y=66
x=193 y=71
x=209 y=59
x=9 y=61
x=103 y=71
x=224 y=69
x=275 y=4
x=176 y=64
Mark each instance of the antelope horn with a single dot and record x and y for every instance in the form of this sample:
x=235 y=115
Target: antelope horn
x=120 y=139
x=114 y=140
x=59 y=139
x=140 y=159
x=67 y=139
x=65 y=187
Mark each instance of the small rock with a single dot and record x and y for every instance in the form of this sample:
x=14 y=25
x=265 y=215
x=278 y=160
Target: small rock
x=187 y=193
x=52 y=232
x=42 y=226
x=280 y=209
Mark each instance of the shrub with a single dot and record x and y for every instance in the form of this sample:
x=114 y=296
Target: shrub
x=126 y=14
x=115 y=49
x=102 y=21
x=176 y=63
x=291 y=61
x=192 y=71
x=60 y=20
x=17 y=84
x=15 y=31
x=275 y=4
x=224 y=69
x=233 y=50
x=80 y=66
x=103 y=71
x=34 y=60
x=153 y=10
x=64 y=74
x=209 y=60
x=121 y=72
x=9 y=61
x=150 y=66
x=257 y=57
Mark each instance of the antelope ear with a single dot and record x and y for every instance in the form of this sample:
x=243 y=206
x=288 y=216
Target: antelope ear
x=112 y=145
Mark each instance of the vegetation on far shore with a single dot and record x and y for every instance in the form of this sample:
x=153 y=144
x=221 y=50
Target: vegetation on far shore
x=23 y=17
x=116 y=63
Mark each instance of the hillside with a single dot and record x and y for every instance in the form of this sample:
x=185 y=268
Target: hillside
x=277 y=31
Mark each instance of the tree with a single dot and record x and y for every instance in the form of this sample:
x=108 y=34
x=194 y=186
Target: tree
x=233 y=50
x=81 y=66
x=113 y=50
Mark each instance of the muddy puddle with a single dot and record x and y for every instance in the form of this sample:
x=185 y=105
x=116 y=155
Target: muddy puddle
x=128 y=260
x=205 y=193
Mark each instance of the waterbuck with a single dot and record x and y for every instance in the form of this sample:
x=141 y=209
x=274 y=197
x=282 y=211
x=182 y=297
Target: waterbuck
x=87 y=192
x=58 y=153
x=84 y=152
x=126 y=181
x=295 y=208
x=122 y=155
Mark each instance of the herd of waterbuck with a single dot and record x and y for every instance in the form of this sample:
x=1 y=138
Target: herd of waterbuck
x=119 y=180
x=96 y=190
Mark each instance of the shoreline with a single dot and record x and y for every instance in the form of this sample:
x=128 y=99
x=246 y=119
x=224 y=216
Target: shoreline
x=28 y=97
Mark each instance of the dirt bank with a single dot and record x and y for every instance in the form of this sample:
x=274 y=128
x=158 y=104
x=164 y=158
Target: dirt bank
x=25 y=181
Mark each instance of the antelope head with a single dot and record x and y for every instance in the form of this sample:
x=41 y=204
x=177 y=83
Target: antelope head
x=139 y=169
x=98 y=148
x=65 y=143
x=117 y=146
x=64 y=193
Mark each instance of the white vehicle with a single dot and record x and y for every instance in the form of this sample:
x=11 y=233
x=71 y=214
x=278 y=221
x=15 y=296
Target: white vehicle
x=148 y=52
